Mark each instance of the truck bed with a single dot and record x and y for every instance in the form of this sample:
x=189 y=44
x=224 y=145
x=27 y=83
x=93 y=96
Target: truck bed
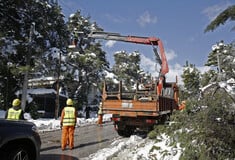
x=138 y=103
x=135 y=108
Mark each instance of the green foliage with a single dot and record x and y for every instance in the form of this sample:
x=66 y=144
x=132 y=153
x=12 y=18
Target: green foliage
x=205 y=129
x=207 y=77
x=19 y=49
x=32 y=108
x=154 y=148
x=152 y=134
x=227 y=14
x=9 y=85
x=191 y=79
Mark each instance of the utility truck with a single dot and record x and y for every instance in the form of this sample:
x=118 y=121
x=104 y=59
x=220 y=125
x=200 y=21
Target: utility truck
x=142 y=108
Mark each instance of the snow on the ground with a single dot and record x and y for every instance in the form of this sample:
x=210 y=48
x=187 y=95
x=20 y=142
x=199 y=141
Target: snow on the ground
x=45 y=124
x=132 y=148
x=137 y=148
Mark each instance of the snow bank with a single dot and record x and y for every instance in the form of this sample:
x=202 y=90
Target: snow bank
x=45 y=124
x=136 y=148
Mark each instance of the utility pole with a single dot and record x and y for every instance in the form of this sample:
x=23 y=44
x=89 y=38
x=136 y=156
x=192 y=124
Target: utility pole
x=57 y=103
x=28 y=55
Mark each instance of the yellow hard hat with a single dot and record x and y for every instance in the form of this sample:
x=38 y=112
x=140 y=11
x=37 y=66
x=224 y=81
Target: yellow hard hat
x=69 y=102
x=16 y=102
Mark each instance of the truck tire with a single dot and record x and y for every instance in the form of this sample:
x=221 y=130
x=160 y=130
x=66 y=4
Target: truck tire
x=164 y=119
x=121 y=133
x=125 y=131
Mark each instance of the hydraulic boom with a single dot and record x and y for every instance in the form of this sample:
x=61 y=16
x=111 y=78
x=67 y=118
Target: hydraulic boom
x=139 y=40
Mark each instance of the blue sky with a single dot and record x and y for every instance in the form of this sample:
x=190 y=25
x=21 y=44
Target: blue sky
x=179 y=24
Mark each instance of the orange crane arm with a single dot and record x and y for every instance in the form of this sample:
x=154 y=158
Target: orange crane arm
x=139 y=40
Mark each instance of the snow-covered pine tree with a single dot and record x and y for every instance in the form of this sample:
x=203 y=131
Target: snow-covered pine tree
x=86 y=58
x=18 y=47
x=191 y=79
x=127 y=68
x=222 y=58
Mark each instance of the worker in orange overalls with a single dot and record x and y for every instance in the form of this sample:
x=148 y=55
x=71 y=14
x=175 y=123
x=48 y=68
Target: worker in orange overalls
x=100 y=115
x=68 y=123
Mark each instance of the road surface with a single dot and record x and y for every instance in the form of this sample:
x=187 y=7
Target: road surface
x=87 y=139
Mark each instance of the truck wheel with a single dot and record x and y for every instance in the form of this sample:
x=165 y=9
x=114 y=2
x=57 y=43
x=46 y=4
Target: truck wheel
x=125 y=132
x=121 y=132
x=164 y=119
